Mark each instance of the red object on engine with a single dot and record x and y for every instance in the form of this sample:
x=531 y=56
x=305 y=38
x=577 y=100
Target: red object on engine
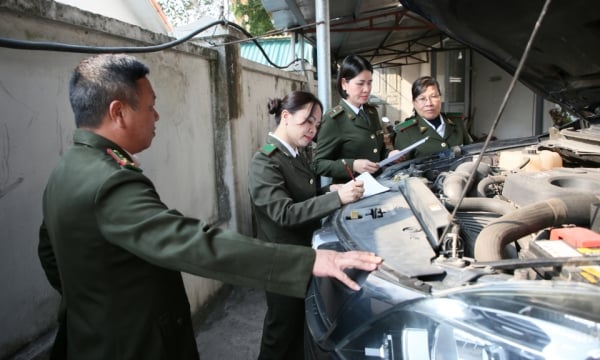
x=578 y=237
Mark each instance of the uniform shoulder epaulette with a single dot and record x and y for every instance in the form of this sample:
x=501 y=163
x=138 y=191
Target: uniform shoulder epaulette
x=338 y=109
x=122 y=160
x=268 y=149
x=406 y=124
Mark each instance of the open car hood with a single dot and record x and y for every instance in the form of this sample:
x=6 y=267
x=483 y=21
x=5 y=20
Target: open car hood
x=563 y=64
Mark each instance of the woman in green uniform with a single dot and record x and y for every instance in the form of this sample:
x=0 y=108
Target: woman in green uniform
x=351 y=131
x=288 y=205
x=428 y=121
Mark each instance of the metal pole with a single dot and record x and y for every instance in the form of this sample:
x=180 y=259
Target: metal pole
x=323 y=56
x=292 y=49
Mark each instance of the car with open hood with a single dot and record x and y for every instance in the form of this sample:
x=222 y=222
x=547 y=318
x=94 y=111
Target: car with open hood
x=491 y=250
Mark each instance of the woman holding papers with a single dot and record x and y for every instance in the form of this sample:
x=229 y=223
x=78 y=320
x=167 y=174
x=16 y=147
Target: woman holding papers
x=428 y=122
x=351 y=131
x=289 y=204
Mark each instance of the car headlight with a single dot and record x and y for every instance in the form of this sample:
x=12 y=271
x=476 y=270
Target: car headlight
x=449 y=329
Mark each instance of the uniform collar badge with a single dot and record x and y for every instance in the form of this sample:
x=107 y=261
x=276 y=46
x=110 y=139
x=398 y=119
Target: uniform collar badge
x=122 y=160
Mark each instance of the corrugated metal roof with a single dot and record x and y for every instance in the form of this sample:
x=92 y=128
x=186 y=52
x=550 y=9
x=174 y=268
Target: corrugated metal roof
x=383 y=31
x=278 y=49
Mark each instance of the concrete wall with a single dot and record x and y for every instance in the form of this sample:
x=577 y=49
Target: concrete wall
x=198 y=160
x=259 y=83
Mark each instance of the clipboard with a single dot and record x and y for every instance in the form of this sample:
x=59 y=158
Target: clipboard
x=402 y=152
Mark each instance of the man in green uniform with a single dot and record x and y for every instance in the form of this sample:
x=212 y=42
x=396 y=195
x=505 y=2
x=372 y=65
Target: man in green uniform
x=114 y=251
x=428 y=121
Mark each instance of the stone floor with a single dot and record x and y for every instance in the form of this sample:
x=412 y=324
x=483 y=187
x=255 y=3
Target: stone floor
x=233 y=328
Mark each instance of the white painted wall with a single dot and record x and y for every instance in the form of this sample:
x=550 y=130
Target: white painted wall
x=492 y=83
x=142 y=13
x=386 y=93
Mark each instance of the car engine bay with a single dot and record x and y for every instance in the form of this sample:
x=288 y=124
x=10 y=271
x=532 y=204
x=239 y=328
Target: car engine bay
x=531 y=211
x=491 y=250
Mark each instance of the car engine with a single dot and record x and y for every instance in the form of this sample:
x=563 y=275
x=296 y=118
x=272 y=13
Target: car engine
x=529 y=209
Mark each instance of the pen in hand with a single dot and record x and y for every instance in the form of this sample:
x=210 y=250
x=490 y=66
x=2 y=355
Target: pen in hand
x=348 y=170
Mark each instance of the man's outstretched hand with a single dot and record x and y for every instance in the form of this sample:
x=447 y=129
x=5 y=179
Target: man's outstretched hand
x=332 y=263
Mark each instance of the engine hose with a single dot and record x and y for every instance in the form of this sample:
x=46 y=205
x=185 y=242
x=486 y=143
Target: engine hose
x=456 y=181
x=572 y=209
x=495 y=206
x=487 y=181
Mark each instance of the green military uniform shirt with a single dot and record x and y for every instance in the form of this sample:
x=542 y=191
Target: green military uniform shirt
x=288 y=206
x=345 y=135
x=284 y=190
x=114 y=251
x=416 y=128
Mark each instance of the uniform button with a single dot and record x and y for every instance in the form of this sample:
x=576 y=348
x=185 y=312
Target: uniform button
x=311 y=181
x=372 y=136
x=444 y=145
x=375 y=150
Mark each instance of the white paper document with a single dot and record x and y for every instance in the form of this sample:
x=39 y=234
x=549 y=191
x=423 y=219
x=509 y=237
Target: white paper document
x=402 y=152
x=371 y=185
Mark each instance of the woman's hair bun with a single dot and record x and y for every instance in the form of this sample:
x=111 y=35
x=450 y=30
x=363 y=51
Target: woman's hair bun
x=274 y=106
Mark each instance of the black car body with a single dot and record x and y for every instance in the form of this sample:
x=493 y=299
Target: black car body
x=490 y=253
